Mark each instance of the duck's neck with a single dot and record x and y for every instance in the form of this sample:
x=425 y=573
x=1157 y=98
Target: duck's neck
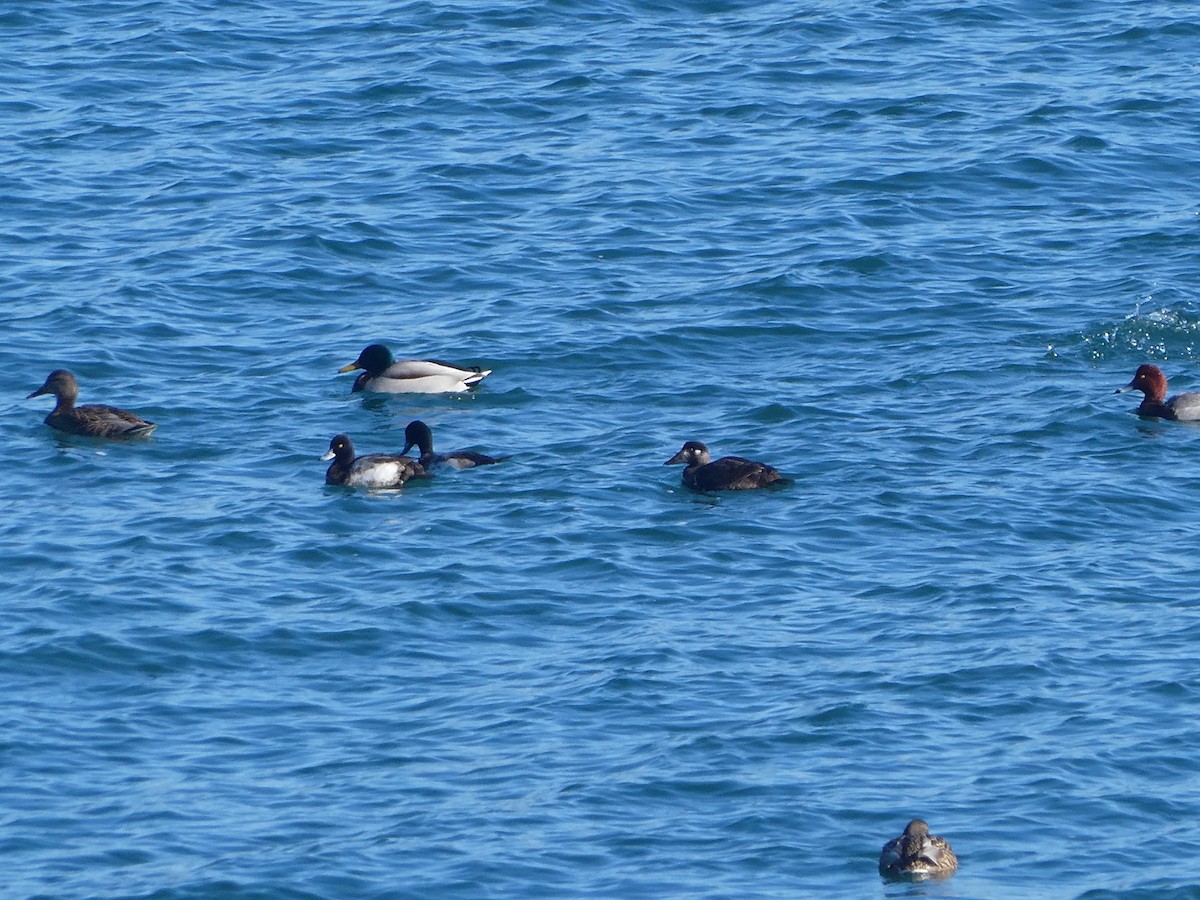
x=424 y=443
x=912 y=845
x=341 y=464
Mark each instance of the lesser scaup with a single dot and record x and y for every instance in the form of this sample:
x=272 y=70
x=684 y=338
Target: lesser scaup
x=418 y=434
x=375 y=470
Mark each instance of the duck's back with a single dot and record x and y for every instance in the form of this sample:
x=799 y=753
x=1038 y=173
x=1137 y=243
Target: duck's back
x=732 y=473
x=458 y=459
x=1184 y=407
x=421 y=376
x=381 y=470
x=97 y=420
x=934 y=858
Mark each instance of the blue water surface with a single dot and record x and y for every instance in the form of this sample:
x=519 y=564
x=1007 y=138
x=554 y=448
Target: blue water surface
x=903 y=251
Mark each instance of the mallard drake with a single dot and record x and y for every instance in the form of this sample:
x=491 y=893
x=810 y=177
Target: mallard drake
x=730 y=473
x=410 y=376
x=917 y=854
x=376 y=470
x=1151 y=381
x=92 y=419
x=417 y=434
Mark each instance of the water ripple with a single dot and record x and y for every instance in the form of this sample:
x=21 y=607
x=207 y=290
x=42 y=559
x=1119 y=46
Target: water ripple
x=906 y=255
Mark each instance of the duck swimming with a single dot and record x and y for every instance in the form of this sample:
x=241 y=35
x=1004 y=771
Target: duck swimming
x=917 y=854
x=418 y=434
x=376 y=470
x=386 y=375
x=1151 y=381
x=92 y=419
x=730 y=473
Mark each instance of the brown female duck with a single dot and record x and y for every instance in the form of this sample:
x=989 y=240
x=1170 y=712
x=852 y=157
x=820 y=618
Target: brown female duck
x=917 y=854
x=90 y=420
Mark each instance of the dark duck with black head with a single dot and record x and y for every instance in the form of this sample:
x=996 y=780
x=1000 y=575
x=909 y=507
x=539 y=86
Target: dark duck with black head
x=375 y=470
x=386 y=375
x=89 y=420
x=1150 y=380
x=917 y=854
x=419 y=435
x=730 y=473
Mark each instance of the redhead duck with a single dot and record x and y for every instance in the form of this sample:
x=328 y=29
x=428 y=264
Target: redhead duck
x=418 y=434
x=376 y=470
x=92 y=419
x=730 y=473
x=386 y=375
x=917 y=854
x=1151 y=381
